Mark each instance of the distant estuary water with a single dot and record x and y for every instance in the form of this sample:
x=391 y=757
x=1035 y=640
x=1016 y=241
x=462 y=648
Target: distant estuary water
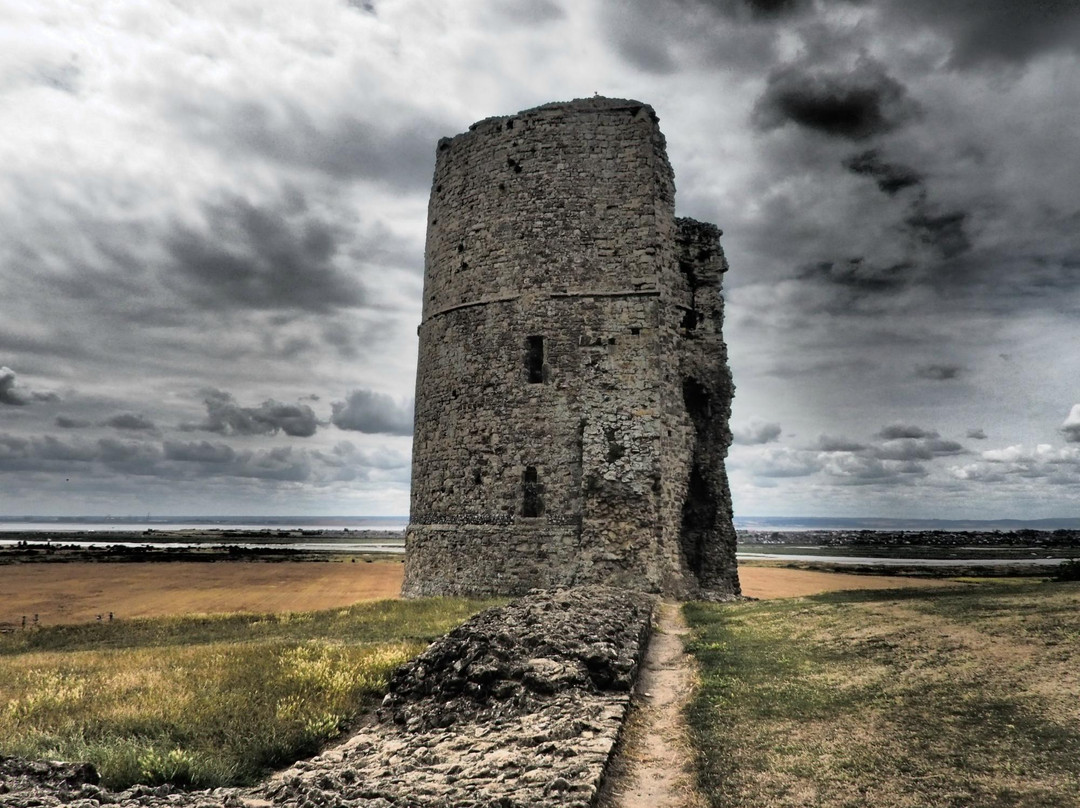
x=360 y=523
x=902 y=562
x=312 y=546
x=355 y=535
x=387 y=535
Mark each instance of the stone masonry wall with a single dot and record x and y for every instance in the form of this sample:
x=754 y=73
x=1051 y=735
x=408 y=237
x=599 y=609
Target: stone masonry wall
x=564 y=310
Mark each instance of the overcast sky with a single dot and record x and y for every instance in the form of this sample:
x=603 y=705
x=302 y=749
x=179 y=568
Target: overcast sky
x=212 y=221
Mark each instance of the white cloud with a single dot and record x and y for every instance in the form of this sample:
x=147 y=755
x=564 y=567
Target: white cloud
x=1071 y=425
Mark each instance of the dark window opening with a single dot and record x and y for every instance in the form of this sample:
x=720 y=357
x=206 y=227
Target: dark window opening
x=689 y=320
x=698 y=404
x=532 y=504
x=634 y=330
x=534 y=359
x=616 y=451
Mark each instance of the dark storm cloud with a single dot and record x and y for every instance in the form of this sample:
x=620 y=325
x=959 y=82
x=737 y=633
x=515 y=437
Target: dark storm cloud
x=858 y=275
x=926 y=448
x=528 y=12
x=225 y=416
x=205 y=459
x=938 y=373
x=853 y=105
x=179 y=460
x=264 y=257
x=976 y=434
x=908 y=443
x=1002 y=31
x=756 y=432
x=890 y=177
x=658 y=38
x=397 y=151
x=15 y=394
x=66 y=422
x=131 y=457
x=13 y=447
x=198 y=452
x=49 y=448
x=944 y=231
x=9 y=393
x=368 y=411
x=899 y=431
x=44 y=453
x=765 y=9
x=128 y=420
x=828 y=443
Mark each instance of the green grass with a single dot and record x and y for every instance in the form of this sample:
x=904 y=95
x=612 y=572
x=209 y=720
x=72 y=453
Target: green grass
x=921 y=697
x=205 y=701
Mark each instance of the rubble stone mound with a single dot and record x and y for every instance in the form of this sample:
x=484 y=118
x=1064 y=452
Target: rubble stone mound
x=16 y=772
x=505 y=662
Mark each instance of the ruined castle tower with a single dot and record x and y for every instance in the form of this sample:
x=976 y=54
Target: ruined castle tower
x=573 y=393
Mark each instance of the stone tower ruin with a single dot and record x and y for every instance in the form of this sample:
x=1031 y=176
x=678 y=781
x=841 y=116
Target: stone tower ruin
x=573 y=392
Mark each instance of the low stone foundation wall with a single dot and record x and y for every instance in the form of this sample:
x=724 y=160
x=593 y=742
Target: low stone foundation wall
x=519 y=706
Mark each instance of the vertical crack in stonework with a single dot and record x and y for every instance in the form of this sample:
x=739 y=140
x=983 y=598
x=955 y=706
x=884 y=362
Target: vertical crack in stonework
x=573 y=392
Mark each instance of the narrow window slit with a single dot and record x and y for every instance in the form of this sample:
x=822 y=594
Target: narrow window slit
x=534 y=359
x=532 y=504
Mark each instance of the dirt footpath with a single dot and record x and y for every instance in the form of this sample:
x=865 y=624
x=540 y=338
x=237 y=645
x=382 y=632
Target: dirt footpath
x=78 y=592
x=655 y=767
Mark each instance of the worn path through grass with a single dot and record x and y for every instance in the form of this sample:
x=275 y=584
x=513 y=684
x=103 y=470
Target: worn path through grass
x=655 y=766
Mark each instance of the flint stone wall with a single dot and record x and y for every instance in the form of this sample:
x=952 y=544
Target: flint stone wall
x=572 y=388
x=520 y=706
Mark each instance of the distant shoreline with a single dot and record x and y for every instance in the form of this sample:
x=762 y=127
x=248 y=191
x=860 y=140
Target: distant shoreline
x=196 y=545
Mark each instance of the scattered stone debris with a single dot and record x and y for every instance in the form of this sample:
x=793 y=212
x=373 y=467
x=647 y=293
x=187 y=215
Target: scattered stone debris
x=519 y=706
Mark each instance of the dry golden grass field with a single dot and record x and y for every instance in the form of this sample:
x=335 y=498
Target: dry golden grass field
x=767 y=582
x=77 y=592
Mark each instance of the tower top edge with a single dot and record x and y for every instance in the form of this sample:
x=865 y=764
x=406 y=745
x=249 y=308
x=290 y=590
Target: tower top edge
x=593 y=104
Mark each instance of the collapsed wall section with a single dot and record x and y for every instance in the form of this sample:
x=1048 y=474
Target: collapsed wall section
x=552 y=443
x=707 y=534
